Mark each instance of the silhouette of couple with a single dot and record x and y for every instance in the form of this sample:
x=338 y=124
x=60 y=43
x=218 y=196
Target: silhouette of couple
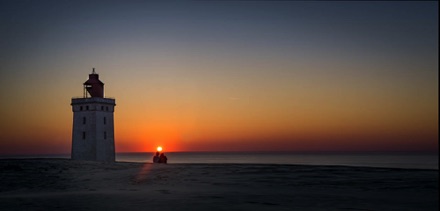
x=160 y=158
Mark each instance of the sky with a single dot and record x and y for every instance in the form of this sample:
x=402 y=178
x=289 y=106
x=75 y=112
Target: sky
x=224 y=75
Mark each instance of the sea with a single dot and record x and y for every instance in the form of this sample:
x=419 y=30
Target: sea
x=386 y=160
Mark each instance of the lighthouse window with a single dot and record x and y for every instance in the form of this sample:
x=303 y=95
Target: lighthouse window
x=105 y=121
x=84 y=120
x=87 y=108
x=105 y=135
x=84 y=135
x=106 y=108
x=102 y=108
x=80 y=108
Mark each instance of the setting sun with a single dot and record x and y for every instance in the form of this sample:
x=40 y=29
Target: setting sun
x=159 y=148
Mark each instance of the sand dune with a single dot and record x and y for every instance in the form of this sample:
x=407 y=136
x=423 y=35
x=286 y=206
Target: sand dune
x=60 y=184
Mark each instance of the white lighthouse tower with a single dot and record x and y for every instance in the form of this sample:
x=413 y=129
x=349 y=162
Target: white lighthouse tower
x=93 y=127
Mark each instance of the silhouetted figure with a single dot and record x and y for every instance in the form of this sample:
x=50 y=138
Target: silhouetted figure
x=163 y=158
x=156 y=158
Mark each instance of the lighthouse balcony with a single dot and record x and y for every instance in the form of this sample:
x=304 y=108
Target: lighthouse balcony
x=99 y=100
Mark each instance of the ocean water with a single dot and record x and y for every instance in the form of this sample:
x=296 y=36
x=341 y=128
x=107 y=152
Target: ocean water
x=388 y=160
x=391 y=160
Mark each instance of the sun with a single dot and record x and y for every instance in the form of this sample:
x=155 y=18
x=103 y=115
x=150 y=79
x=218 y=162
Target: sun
x=159 y=148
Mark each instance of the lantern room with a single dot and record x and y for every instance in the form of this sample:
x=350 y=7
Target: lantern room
x=93 y=87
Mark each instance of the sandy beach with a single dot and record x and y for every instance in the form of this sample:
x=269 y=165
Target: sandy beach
x=62 y=184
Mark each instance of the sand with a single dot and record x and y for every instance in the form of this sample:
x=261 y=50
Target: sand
x=62 y=184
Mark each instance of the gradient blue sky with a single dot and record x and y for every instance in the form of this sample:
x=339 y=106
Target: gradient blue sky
x=224 y=75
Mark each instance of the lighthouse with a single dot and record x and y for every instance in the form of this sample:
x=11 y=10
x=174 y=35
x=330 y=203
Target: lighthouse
x=93 y=126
